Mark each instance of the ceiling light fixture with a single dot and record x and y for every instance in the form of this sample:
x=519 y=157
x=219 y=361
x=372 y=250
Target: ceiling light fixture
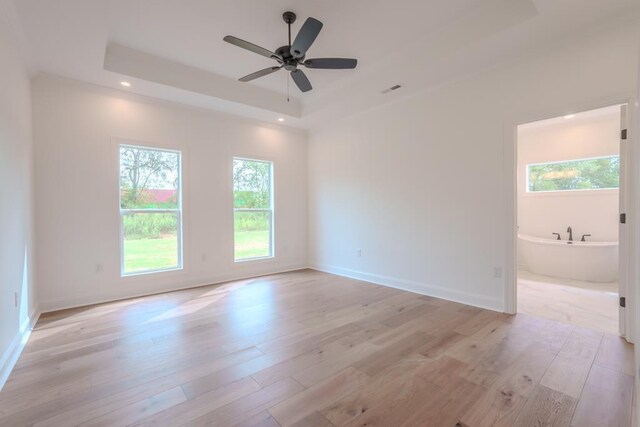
x=280 y=119
x=125 y=84
x=569 y=116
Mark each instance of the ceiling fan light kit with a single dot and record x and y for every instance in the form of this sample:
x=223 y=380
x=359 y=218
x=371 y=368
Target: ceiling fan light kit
x=292 y=55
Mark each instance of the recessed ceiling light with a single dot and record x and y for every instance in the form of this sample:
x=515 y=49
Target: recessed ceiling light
x=281 y=119
x=125 y=84
x=569 y=116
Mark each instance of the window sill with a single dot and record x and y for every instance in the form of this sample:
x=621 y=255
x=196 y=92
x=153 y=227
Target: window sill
x=145 y=273
x=570 y=193
x=258 y=259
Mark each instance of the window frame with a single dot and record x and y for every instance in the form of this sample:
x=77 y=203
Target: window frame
x=270 y=210
x=177 y=211
x=578 y=190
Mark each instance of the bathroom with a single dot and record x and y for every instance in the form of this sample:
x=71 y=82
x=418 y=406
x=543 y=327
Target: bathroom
x=568 y=209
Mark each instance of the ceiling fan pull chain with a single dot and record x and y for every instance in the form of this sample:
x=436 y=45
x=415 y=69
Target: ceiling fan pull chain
x=287 y=87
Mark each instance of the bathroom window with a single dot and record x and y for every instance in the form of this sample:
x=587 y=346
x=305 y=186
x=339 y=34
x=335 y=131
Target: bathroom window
x=252 y=209
x=596 y=173
x=150 y=210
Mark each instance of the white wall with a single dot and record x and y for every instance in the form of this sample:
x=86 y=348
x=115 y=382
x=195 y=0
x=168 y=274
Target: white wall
x=420 y=185
x=16 y=237
x=592 y=212
x=77 y=219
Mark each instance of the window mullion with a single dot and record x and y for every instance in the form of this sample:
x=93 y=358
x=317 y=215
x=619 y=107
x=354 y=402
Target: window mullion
x=134 y=211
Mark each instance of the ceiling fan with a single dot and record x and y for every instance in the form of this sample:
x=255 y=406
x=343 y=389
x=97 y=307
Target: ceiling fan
x=291 y=56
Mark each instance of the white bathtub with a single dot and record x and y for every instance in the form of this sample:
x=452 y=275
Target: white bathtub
x=589 y=261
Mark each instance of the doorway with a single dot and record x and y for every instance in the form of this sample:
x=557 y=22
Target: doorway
x=570 y=186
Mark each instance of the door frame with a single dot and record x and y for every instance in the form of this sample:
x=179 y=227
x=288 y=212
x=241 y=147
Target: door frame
x=628 y=270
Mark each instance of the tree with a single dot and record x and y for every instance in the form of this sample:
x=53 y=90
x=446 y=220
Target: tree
x=582 y=174
x=251 y=182
x=142 y=169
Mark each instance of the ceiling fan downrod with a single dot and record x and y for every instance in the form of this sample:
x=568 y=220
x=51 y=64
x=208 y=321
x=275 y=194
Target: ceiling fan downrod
x=289 y=18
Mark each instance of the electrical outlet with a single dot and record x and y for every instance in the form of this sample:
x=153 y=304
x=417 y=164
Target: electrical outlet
x=497 y=272
x=15 y=299
x=359 y=252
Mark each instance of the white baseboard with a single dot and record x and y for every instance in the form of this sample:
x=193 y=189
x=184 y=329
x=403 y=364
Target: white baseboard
x=12 y=353
x=82 y=301
x=481 y=301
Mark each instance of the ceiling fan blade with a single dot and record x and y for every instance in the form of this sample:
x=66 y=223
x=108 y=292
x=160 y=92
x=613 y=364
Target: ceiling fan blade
x=252 y=47
x=331 y=63
x=305 y=38
x=260 y=73
x=301 y=80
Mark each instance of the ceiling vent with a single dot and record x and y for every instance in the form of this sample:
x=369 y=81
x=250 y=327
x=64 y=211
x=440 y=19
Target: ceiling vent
x=392 y=88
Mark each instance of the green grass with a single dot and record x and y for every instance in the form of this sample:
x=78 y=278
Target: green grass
x=251 y=244
x=150 y=254
x=159 y=254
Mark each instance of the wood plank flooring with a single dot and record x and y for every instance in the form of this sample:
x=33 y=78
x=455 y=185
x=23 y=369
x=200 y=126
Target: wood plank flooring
x=312 y=349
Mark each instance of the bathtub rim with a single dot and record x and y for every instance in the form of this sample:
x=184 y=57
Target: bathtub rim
x=574 y=243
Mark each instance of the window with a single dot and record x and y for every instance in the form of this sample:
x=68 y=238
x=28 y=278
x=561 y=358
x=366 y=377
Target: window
x=584 y=174
x=150 y=210
x=252 y=209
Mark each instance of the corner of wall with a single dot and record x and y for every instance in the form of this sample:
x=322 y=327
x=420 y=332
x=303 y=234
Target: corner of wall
x=13 y=352
x=480 y=301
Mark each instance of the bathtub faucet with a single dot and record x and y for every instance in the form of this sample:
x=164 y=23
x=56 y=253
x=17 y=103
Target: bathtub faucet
x=583 y=237
x=570 y=231
x=557 y=234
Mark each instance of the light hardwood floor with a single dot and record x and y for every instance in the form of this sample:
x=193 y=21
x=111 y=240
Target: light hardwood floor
x=312 y=349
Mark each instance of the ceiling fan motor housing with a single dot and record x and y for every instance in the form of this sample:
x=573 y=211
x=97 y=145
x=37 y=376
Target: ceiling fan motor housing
x=290 y=63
